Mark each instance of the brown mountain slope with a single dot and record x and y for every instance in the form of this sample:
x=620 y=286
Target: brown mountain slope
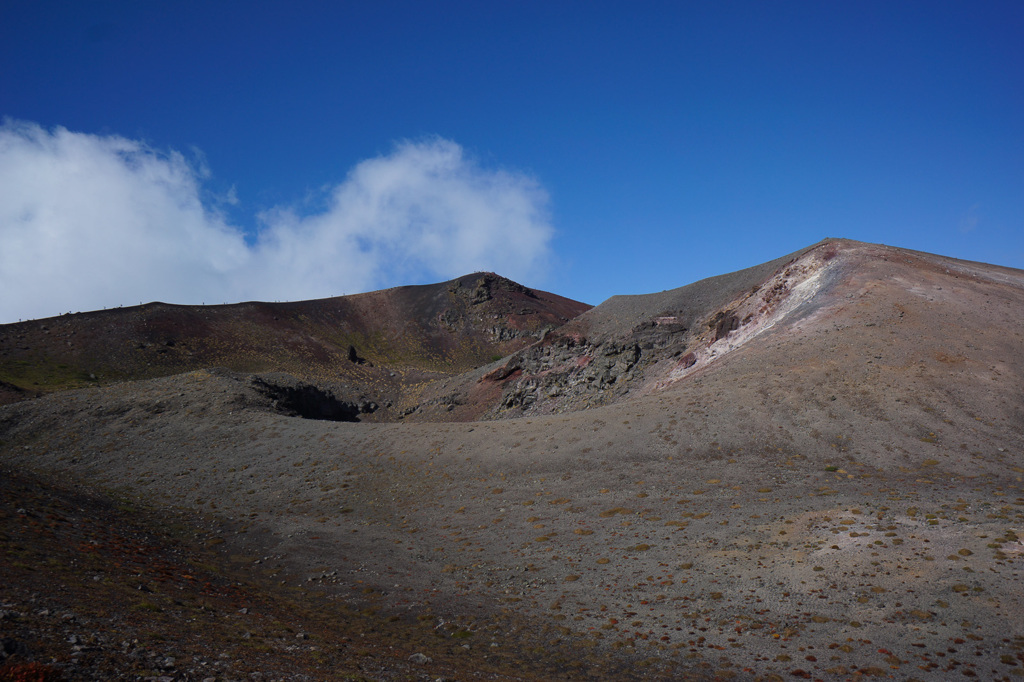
x=595 y=358
x=101 y=589
x=830 y=487
x=379 y=342
x=647 y=343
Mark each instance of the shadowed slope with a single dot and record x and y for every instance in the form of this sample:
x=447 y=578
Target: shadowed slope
x=379 y=342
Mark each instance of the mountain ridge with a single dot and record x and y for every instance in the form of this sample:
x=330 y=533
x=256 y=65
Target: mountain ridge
x=418 y=332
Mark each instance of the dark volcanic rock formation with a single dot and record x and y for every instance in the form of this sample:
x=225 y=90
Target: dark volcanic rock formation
x=296 y=398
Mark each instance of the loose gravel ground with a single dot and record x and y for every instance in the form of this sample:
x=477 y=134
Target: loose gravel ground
x=839 y=496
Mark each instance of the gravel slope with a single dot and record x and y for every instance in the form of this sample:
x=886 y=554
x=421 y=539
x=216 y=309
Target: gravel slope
x=837 y=494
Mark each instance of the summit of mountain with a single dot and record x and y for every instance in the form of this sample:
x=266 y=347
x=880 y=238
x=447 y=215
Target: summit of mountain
x=835 y=294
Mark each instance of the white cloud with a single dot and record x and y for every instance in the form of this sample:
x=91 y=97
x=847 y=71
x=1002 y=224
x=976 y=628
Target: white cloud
x=969 y=220
x=90 y=221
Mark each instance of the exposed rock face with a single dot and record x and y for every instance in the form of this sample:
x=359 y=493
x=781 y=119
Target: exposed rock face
x=296 y=398
x=571 y=369
x=724 y=322
x=512 y=309
x=566 y=367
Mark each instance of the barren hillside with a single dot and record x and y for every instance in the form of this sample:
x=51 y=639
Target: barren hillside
x=808 y=469
x=375 y=347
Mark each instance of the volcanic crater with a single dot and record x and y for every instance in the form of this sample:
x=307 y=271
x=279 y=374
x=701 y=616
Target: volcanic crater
x=811 y=468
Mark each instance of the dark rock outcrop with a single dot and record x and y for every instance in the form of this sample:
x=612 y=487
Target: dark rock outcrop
x=299 y=399
x=564 y=366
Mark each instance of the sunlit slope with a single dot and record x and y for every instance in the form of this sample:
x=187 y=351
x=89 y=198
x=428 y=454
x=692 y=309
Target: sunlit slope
x=376 y=338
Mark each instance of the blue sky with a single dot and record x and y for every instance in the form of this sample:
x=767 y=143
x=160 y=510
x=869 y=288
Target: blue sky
x=217 y=151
